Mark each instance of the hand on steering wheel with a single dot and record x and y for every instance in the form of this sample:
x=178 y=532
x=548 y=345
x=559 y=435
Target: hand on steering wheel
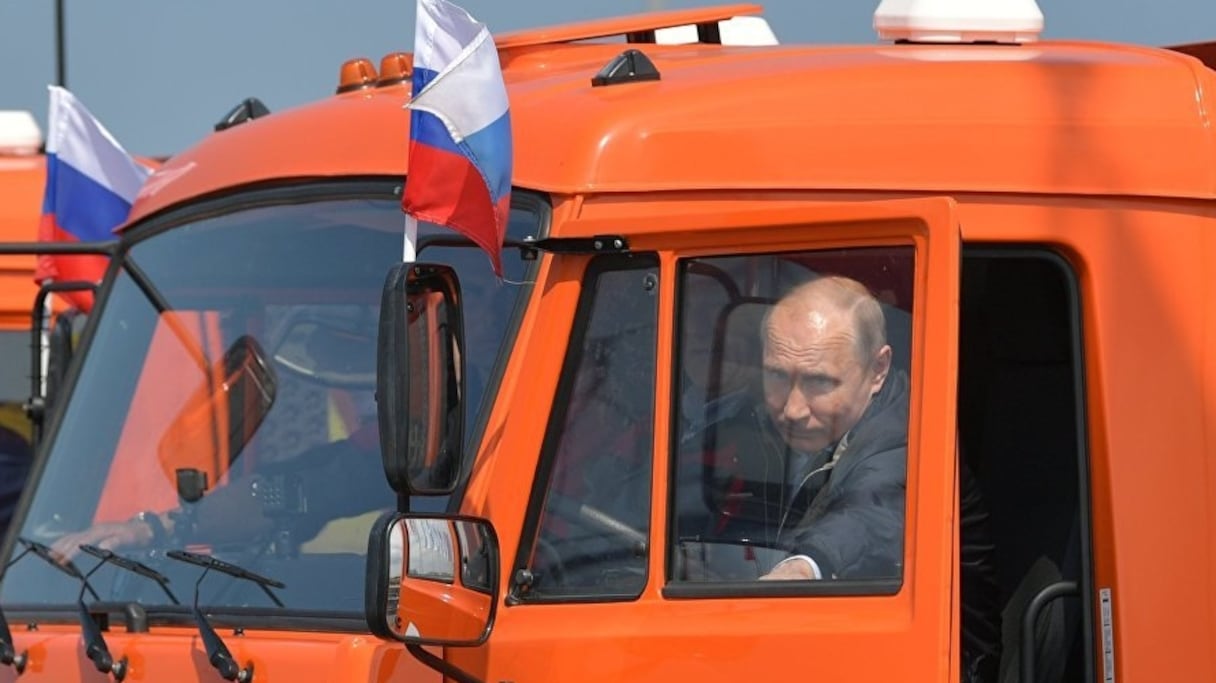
x=107 y=536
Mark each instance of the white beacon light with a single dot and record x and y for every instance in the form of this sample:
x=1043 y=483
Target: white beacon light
x=959 y=21
x=749 y=31
x=19 y=134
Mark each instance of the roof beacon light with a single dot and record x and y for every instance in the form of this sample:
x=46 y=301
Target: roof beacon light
x=745 y=30
x=19 y=134
x=959 y=21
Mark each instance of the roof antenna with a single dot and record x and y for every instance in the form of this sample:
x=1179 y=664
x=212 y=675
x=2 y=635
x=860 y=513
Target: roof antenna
x=628 y=67
x=249 y=109
x=61 y=78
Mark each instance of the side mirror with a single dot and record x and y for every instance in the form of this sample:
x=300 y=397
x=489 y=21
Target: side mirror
x=431 y=580
x=62 y=340
x=38 y=405
x=420 y=379
x=222 y=414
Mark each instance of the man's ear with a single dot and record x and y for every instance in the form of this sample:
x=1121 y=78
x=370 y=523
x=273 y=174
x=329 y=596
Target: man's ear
x=881 y=366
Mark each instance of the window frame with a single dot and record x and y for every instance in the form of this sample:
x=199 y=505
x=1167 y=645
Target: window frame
x=546 y=463
x=676 y=589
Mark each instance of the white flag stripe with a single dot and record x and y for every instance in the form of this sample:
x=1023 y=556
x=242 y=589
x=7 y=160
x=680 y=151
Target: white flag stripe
x=79 y=139
x=447 y=97
x=441 y=34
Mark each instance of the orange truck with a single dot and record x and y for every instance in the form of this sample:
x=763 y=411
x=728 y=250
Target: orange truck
x=1029 y=218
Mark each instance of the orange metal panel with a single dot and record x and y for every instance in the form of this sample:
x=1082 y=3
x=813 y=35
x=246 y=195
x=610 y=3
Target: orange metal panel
x=1147 y=317
x=177 y=654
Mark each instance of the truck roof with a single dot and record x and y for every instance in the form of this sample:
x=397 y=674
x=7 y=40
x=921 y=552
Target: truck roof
x=1050 y=117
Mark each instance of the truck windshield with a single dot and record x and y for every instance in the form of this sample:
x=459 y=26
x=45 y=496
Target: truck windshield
x=225 y=405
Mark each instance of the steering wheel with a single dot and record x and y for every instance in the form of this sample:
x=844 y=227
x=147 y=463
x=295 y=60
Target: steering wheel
x=614 y=541
x=593 y=519
x=327 y=352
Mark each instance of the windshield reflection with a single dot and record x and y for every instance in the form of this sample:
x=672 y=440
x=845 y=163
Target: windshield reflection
x=226 y=406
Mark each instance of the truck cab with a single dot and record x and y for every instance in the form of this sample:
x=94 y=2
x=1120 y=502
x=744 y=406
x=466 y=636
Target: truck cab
x=996 y=198
x=283 y=453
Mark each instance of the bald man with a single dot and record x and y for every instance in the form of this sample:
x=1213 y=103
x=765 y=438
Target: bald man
x=842 y=417
x=816 y=470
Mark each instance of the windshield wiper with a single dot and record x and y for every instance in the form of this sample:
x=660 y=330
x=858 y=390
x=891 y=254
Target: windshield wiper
x=8 y=650
x=64 y=565
x=208 y=562
x=217 y=653
x=94 y=643
x=133 y=566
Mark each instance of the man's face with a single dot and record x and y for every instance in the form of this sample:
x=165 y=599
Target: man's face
x=816 y=382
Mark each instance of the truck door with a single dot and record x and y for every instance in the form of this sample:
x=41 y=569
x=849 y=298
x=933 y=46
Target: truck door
x=669 y=490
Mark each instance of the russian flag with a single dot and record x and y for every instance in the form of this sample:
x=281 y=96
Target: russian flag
x=460 y=129
x=91 y=183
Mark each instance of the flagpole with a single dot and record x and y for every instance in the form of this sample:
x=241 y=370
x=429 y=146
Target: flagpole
x=410 y=253
x=60 y=57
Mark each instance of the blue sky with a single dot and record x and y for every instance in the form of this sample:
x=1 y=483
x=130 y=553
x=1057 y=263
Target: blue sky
x=160 y=73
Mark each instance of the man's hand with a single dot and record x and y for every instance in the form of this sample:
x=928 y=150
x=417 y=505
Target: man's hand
x=791 y=569
x=108 y=536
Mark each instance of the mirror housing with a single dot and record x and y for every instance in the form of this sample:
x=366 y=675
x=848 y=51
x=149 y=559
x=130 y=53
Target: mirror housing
x=420 y=379
x=431 y=580
x=222 y=414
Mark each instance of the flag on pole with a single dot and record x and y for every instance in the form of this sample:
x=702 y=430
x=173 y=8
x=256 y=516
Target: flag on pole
x=91 y=183
x=460 y=131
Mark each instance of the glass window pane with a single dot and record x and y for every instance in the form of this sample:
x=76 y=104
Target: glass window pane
x=594 y=528
x=792 y=415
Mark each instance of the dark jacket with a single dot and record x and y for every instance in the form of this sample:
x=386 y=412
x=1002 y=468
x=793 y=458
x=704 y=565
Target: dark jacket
x=847 y=514
x=15 y=458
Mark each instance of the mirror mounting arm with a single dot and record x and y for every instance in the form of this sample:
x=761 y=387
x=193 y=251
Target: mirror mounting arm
x=599 y=244
x=440 y=665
